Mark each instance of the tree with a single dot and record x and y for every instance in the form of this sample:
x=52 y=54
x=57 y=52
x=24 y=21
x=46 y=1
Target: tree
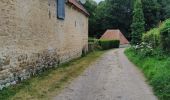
x=167 y=9
x=121 y=15
x=109 y=14
x=137 y=23
x=151 y=9
x=103 y=18
x=164 y=9
x=91 y=7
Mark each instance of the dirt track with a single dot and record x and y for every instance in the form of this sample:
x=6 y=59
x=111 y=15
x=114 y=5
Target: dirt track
x=112 y=77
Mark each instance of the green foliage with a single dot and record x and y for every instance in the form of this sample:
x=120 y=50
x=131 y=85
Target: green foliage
x=117 y=14
x=110 y=14
x=105 y=44
x=91 y=40
x=109 y=44
x=165 y=35
x=167 y=9
x=115 y=43
x=151 y=9
x=144 y=49
x=156 y=70
x=152 y=37
x=164 y=9
x=138 y=23
x=91 y=7
x=93 y=44
x=159 y=38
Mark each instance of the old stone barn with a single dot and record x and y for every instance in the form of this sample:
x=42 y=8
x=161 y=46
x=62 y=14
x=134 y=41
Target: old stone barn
x=38 y=34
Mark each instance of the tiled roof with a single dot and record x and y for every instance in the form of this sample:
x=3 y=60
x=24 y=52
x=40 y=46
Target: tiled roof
x=115 y=35
x=79 y=6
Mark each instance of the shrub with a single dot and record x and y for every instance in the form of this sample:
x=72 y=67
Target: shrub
x=152 y=37
x=93 y=44
x=108 y=44
x=92 y=39
x=159 y=38
x=165 y=35
x=144 y=49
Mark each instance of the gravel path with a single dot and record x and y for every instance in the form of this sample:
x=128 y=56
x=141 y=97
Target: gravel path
x=112 y=77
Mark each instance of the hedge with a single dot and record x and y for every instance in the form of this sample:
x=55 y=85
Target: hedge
x=159 y=37
x=92 y=39
x=109 y=44
x=165 y=35
x=152 y=37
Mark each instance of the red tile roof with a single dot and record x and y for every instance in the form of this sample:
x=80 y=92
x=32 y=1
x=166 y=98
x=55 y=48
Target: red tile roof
x=79 y=6
x=115 y=35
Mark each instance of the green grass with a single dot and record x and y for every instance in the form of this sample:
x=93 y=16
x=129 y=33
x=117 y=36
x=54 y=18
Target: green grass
x=51 y=82
x=157 y=72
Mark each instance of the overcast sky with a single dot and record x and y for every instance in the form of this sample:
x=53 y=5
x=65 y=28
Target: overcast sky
x=98 y=1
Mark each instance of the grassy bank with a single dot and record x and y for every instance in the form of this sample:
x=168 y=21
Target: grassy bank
x=48 y=84
x=157 y=72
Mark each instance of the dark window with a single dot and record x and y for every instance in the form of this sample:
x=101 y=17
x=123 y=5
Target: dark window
x=60 y=9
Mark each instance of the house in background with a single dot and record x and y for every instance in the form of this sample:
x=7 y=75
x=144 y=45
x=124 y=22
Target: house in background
x=112 y=34
x=38 y=34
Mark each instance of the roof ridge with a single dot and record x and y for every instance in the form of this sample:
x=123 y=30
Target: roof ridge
x=113 y=29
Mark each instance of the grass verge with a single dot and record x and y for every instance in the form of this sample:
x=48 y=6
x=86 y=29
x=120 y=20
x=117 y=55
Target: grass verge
x=49 y=83
x=157 y=72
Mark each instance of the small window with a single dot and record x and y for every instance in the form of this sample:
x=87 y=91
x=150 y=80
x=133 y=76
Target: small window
x=60 y=9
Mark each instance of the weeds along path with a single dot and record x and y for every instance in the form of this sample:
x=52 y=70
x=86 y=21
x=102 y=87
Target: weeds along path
x=112 y=77
x=50 y=82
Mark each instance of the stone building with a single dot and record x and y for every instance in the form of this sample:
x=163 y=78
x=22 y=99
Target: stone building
x=37 y=34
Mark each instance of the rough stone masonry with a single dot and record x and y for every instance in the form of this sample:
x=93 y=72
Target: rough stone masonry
x=32 y=39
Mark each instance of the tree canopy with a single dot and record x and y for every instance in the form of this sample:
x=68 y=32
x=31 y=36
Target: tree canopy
x=118 y=14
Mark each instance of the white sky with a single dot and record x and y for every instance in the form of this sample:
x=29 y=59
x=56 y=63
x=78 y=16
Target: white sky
x=98 y=0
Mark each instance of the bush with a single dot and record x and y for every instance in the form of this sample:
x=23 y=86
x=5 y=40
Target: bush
x=92 y=39
x=109 y=44
x=165 y=36
x=152 y=37
x=93 y=44
x=159 y=38
x=144 y=49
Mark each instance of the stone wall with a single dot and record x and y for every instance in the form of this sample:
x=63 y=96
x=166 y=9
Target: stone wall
x=32 y=39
